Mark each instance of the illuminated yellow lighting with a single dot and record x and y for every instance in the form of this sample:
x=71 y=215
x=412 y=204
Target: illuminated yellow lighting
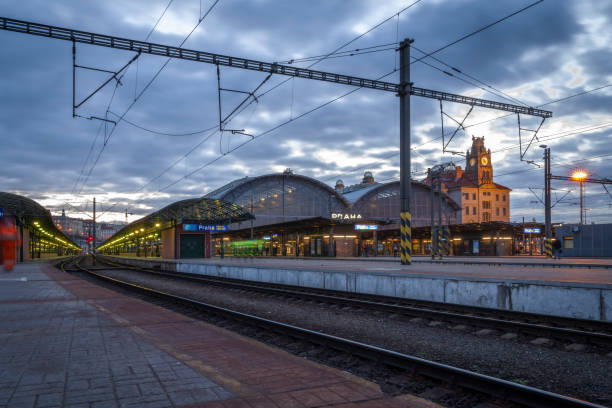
x=579 y=175
x=142 y=230
x=158 y=225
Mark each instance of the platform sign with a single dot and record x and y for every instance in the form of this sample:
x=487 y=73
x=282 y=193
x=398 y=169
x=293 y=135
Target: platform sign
x=531 y=230
x=202 y=227
x=366 y=227
x=1 y=212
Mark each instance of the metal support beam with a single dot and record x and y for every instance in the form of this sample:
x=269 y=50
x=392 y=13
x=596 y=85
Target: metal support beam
x=445 y=96
x=103 y=40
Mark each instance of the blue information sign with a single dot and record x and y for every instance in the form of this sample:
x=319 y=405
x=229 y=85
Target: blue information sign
x=366 y=227
x=202 y=227
x=1 y=212
x=532 y=230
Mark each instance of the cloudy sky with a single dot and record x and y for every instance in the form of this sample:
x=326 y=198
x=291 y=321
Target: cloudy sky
x=162 y=151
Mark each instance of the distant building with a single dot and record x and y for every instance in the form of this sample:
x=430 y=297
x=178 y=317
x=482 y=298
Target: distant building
x=480 y=198
x=79 y=229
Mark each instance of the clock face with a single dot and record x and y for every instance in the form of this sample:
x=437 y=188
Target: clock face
x=484 y=161
x=472 y=162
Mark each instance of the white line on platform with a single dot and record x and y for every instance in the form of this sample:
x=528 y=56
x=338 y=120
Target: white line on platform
x=22 y=279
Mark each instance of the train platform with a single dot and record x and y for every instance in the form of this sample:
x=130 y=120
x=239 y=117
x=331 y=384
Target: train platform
x=540 y=270
x=569 y=292
x=67 y=342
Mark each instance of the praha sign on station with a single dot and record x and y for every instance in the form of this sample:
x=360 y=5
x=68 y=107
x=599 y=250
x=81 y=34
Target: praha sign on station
x=346 y=217
x=202 y=227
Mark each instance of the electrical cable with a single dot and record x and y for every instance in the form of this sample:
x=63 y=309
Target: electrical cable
x=341 y=96
x=348 y=53
x=145 y=89
x=276 y=86
x=478 y=31
x=459 y=71
x=156 y=132
x=342 y=46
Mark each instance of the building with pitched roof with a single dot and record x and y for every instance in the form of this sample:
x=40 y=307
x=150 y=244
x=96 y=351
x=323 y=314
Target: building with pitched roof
x=473 y=188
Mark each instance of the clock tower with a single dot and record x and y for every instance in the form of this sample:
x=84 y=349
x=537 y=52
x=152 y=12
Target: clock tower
x=478 y=163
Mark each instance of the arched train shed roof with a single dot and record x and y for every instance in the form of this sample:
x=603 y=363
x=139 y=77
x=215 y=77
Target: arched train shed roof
x=34 y=216
x=244 y=183
x=197 y=210
x=368 y=192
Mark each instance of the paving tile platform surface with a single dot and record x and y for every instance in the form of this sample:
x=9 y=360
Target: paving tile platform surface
x=65 y=342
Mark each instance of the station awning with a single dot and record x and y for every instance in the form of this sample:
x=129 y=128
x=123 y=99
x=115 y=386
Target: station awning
x=34 y=217
x=194 y=210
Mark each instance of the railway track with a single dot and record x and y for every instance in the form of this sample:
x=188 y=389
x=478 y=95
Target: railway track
x=500 y=392
x=596 y=334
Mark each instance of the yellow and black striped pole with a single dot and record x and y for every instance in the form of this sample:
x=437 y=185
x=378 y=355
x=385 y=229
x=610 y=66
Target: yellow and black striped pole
x=548 y=248
x=406 y=238
x=439 y=243
x=405 y=86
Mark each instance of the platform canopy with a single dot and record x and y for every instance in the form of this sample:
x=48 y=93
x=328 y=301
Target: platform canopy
x=201 y=210
x=34 y=217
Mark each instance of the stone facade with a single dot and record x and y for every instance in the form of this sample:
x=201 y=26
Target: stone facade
x=481 y=199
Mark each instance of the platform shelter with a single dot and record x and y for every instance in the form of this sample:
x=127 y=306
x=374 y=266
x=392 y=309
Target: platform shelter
x=33 y=231
x=179 y=230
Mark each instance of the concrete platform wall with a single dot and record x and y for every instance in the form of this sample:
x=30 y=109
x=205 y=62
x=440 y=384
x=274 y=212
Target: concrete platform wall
x=578 y=300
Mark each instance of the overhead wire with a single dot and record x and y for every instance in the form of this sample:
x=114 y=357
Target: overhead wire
x=157 y=132
x=479 y=30
x=145 y=89
x=341 y=96
x=484 y=86
x=319 y=60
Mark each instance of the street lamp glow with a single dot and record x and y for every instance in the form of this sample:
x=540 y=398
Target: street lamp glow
x=579 y=175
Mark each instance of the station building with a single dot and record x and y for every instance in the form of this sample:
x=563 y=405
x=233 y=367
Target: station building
x=287 y=214
x=297 y=215
x=31 y=230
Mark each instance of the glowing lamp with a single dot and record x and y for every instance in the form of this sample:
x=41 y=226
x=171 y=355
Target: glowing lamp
x=579 y=175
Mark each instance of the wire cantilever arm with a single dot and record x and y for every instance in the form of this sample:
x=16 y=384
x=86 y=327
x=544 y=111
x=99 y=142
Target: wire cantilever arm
x=459 y=126
x=533 y=137
x=562 y=197
x=114 y=76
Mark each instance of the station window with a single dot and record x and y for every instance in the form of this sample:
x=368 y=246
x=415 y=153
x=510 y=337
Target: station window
x=486 y=205
x=486 y=217
x=473 y=196
x=466 y=196
x=503 y=197
x=504 y=210
x=467 y=210
x=497 y=211
x=568 y=242
x=496 y=197
x=473 y=210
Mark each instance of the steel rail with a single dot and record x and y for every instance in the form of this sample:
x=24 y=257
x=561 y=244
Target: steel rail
x=103 y=40
x=564 y=333
x=525 y=395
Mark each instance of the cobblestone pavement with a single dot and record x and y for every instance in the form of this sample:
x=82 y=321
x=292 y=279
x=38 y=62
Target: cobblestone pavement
x=57 y=350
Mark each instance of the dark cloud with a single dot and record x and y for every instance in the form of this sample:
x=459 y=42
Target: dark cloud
x=553 y=47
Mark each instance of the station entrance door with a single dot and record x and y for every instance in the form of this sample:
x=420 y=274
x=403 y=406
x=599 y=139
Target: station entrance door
x=192 y=246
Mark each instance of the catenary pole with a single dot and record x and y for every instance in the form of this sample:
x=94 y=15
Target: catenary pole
x=404 y=95
x=547 y=205
x=93 y=247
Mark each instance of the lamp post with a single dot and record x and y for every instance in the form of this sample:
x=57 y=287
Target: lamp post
x=580 y=176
